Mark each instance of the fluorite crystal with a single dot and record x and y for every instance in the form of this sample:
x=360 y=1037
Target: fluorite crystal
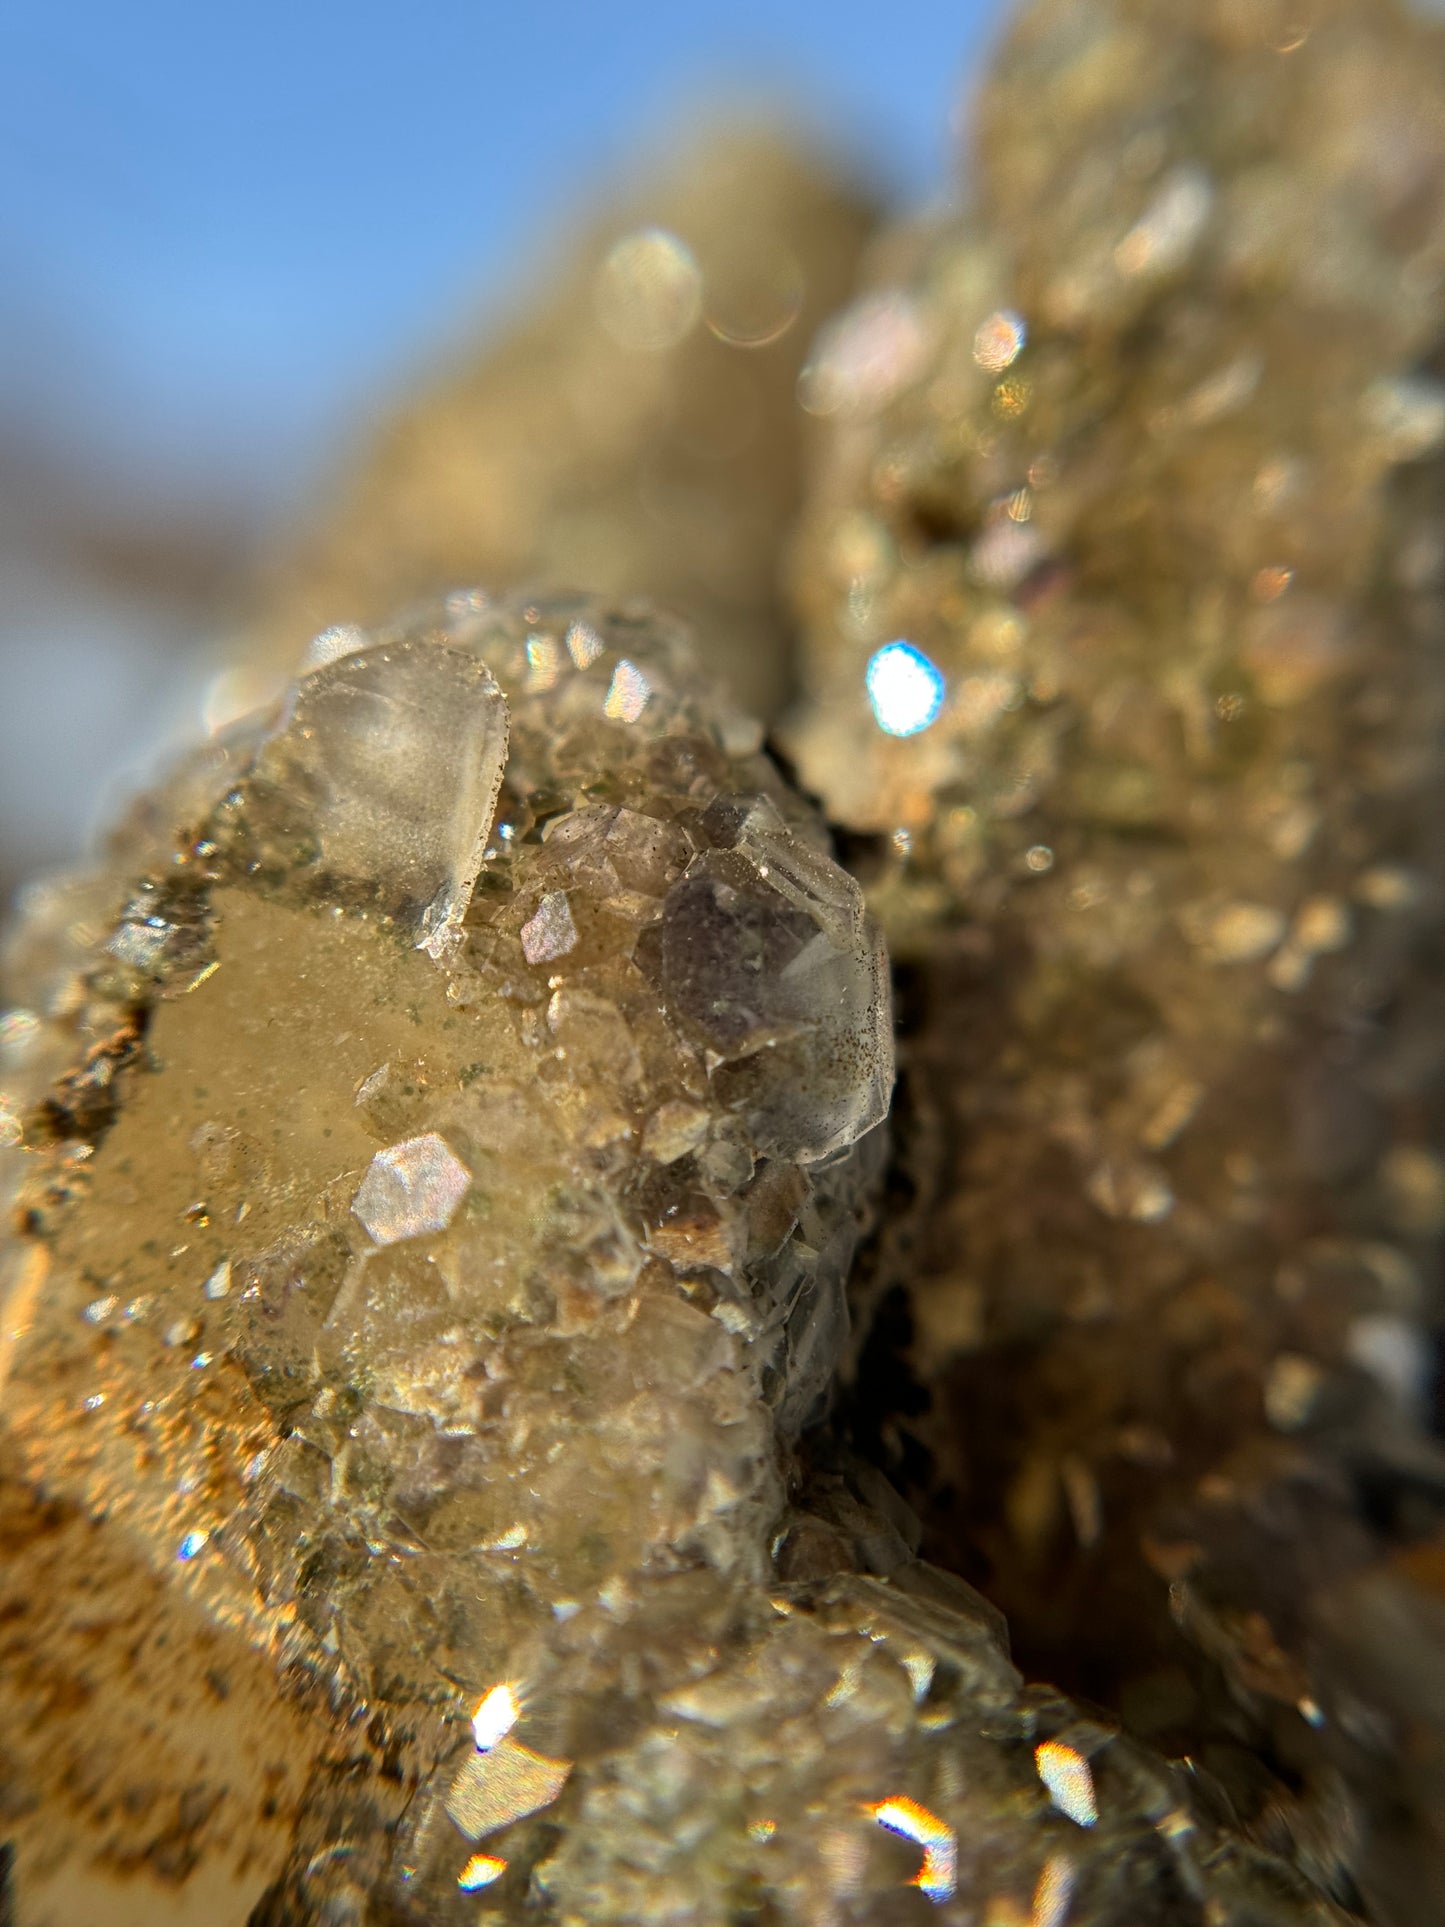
x=1125 y=599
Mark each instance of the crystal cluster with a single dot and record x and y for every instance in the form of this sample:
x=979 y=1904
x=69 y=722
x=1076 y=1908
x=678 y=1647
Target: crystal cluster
x=443 y=1134
x=453 y=1192
x=413 y=1313
x=1125 y=599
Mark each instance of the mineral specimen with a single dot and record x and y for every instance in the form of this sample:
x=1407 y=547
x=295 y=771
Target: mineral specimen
x=632 y=432
x=397 y=1280
x=1125 y=597
x=409 y=1321
x=438 y=1133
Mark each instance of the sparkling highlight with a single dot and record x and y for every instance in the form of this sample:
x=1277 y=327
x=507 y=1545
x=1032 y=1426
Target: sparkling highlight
x=495 y=1717
x=1070 y=1781
x=1000 y=341
x=938 y=1876
x=627 y=693
x=411 y=1189
x=1054 y=1893
x=905 y=689
x=480 y=1871
x=649 y=291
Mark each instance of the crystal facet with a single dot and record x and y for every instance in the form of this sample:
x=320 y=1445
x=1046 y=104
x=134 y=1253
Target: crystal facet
x=437 y=1153
x=382 y=778
x=411 y=1189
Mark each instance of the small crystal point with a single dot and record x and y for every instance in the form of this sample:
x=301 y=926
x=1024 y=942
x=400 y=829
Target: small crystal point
x=551 y=933
x=770 y=960
x=412 y=1189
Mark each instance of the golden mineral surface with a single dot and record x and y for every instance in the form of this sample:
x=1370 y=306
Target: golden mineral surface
x=1125 y=595
x=444 y=1132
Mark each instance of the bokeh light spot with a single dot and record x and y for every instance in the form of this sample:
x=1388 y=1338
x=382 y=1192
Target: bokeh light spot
x=649 y=291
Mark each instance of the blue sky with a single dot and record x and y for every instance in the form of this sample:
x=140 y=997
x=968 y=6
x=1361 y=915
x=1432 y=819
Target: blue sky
x=222 y=226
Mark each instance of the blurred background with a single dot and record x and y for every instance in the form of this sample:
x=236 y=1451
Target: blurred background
x=229 y=237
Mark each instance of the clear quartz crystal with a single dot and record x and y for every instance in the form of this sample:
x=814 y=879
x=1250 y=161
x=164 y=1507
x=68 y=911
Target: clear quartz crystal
x=410 y=1190
x=769 y=955
x=383 y=776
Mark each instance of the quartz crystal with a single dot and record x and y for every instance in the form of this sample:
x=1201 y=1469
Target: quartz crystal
x=1124 y=592
x=382 y=781
x=405 y=1346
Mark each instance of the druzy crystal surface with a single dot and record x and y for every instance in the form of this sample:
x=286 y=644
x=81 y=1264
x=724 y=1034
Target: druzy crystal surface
x=439 y=1132
x=463 y=1223
x=405 y=1344
x=1125 y=602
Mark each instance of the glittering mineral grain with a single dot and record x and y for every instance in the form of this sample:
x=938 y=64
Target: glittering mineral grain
x=405 y=1324
x=1126 y=602
x=630 y=432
